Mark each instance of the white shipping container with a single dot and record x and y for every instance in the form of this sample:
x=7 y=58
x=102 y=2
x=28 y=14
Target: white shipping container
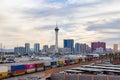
x=3 y=69
x=47 y=63
x=30 y=70
x=39 y=69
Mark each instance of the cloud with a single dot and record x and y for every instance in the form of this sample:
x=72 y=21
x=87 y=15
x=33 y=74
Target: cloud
x=59 y=12
x=114 y=25
x=45 y=28
x=113 y=39
x=59 y=8
x=58 y=1
x=34 y=20
x=109 y=31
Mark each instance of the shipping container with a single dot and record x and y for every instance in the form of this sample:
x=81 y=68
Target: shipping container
x=72 y=61
x=61 y=63
x=90 y=58
x=53 y=64
x=86 y=59
x=30 y=66
x=47 y=65
x=3 y=75
x=40 y=69
x=18 y=72
x=80 y=60
x=3 y=69
x=95 y=58
x=3 y=72
x=83 y=59
x=76 y=61
x=30 y=70
x=67 y=62
x=39 y=66
x=17 y=67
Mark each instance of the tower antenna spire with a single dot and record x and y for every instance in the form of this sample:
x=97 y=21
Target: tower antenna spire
x=56 y=40
x=56 y=24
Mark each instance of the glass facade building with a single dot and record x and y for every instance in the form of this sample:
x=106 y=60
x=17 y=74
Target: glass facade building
x=69 y=43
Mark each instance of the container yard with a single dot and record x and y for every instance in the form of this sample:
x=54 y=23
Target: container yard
x=29 y=67
x=68 y=66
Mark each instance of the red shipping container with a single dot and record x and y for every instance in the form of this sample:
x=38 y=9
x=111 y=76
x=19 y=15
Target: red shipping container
x=67 y=62
x=30 y=66
x=39 y=64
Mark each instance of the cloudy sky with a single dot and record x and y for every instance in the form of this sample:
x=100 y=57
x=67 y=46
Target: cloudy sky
x=34 y=21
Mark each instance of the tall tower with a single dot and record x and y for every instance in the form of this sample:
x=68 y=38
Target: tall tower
x=56 y=40
x=37 y=48
x=27 y=47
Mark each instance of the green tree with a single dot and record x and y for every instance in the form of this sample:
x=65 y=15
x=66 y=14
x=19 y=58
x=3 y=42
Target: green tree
x=106 y=56
x=3 y=58
x=111 y=55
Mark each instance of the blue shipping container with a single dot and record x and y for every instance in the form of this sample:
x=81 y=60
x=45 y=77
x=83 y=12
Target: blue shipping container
x=53 y=63
x=71 y=60
x=46 y=67
x=17 y=67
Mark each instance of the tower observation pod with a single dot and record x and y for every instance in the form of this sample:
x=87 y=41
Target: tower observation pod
x=56 y=39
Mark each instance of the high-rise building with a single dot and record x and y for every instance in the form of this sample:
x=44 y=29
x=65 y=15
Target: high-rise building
x=19 y=50
x=115 y=47
x=51 y=49
x=84 y=47
x=78 y=48
x=45 y=48
x=95 y=45
x=64 y=50
x=37 y=48
x=81 y=48
x=99 y=50
x=69 y=43
x=27 y=47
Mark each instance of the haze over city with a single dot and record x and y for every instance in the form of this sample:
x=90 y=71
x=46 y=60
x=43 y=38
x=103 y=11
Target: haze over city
x=34 y=21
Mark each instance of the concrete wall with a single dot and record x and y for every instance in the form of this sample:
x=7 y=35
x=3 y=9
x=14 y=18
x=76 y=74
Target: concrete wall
x=114 y=78
x=58 y=76
x=100 y=78
x=85 y=77
x=71 y=77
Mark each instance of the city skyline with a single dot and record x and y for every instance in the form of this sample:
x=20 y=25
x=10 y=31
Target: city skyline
x=30 y=21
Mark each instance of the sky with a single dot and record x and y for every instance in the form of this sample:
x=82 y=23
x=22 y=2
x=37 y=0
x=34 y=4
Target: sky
x=33 y=21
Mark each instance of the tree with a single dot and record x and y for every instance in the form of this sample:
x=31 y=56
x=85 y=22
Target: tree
x=106 y=55
x=3 y=58
x=110 y=57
